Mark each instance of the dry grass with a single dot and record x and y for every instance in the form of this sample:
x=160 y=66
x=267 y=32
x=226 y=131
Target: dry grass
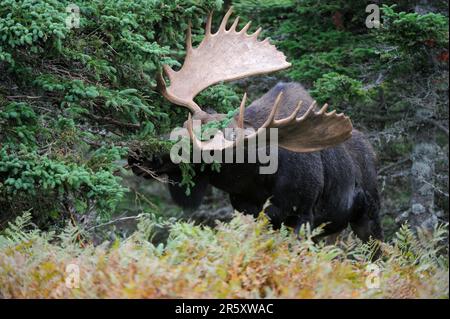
x=241 y=259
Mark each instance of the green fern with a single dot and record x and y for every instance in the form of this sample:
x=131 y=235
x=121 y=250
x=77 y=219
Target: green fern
x=17 y=231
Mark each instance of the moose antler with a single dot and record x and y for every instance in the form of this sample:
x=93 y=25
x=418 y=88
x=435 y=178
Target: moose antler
x=223 y=56
x=229 y=55
x=313 y=131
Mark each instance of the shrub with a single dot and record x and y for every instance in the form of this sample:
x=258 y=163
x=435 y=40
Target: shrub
x=72 y=99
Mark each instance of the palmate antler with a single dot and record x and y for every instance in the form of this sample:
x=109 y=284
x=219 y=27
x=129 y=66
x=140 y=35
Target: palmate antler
x=223 y=56
x=313 y=131
x=229 y=55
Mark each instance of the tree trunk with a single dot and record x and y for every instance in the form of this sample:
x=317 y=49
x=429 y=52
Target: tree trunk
x=423 y=157
x=422 y=176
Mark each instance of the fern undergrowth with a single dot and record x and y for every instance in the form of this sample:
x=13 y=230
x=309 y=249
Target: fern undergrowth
x=244 y=258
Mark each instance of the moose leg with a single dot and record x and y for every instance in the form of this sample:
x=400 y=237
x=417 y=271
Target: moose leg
x=366 y=228
x=244 y=205
x=306 y=217
x=368 y=225
x=329 y=231
x=275 y=214
x=254 y=206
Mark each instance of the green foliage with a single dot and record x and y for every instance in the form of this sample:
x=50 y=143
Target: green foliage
x=422 y=248
x=18 y=231
x=209 y=129
x=413 y=43
x=221 y=98
x=35 y=25
x=29 y=178
x=71 y=97
x=336 y=88
x=19 y=123
x=413 y=31
x=187 y=175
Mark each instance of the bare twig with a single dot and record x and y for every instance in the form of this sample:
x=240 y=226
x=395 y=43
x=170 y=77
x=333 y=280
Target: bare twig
x=92 y=143
x=115 y=221
x=438 y=125
x=153 y=175
x=109 y=120
x=388 y=167
x=13 y=97
x=437 y=189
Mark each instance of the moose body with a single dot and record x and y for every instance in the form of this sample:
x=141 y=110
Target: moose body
x=335 y=186
x=326 y=171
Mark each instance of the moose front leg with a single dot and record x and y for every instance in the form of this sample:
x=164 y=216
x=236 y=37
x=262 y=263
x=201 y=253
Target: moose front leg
x=253 y=207
x=290 y=216
x=292 y=212
x=306 y=217
x=274 y=213
x=245 y=205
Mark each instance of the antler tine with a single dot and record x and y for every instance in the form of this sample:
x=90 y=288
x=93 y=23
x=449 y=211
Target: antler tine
x=189 y=38
x=297 y=109
x=245 y=28
x=208 y=24
x=273 y=112
x=223 y=24
x=323 y=109
x=256 y=33
x=291 y=117
x=160 y=83
x=168 y=71
x=189 y=125
x=308 y=112
x=234 y=25
x=240 y=121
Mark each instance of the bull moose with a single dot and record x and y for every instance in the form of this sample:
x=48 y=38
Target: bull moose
x=326 y=169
